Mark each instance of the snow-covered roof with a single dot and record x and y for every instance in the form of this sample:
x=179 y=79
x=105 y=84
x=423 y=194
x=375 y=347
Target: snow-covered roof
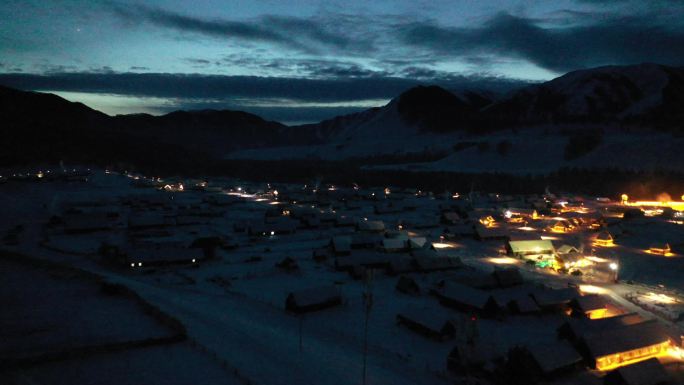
x=625 y=339
x=554 y=356
x=648 y=372
x=589 y=302
x=531 y=246
x=552 y=297
x=462 y=294
x=314 y=296
x=371 y=225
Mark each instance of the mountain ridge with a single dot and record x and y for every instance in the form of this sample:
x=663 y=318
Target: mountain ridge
x=47 y=127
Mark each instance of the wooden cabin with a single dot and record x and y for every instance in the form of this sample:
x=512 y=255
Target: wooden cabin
x=604 y=239
x=427 y=323
x=466 y=299
x=591 y=306
x=626 y=345
x=522 y=249
x=660 y=249
x=313 y=299
x=647 y=372
x=546 y=360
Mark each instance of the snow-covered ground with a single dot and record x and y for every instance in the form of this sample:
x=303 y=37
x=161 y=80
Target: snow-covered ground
x=531 y=151
x=233 y=306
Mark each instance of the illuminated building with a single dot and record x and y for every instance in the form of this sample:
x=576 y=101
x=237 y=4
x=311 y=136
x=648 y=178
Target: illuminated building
x=526 y=248
x=604 y=239
x=626 y=345
x=660 y=249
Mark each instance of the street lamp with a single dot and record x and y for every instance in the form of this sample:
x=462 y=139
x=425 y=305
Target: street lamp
x=614 y=266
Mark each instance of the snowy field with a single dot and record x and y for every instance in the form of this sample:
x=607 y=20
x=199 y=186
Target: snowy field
x=621 y=151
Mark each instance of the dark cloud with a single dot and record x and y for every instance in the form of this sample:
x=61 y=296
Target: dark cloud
x=287 y=100
x=197 y=86
x=612 y=41
x=307 y=35
x=139 y=68
x=333 y=70
x=311 y=68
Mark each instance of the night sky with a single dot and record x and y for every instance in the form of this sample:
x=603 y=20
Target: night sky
x=301 y=61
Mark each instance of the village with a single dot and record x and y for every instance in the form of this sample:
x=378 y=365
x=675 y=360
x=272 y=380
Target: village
x=258 y=283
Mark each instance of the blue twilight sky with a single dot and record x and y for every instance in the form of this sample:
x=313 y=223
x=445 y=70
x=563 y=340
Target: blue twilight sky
x=305 y=60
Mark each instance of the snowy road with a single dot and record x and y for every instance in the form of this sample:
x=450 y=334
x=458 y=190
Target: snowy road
x=263 y=342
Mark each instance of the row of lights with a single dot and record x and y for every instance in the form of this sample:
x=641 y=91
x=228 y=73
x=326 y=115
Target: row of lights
x=139 y=264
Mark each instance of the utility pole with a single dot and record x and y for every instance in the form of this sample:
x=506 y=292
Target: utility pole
x=367 y=304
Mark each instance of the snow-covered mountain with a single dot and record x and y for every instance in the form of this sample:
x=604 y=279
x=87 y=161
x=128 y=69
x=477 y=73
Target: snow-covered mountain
x=610 y=117
x=649 y=95
x=579 y=118
x=422 y=109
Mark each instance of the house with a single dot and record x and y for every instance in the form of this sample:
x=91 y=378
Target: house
x=460 y=230
x=427 y=323
x=517 y=299
x=574 y=328
x=508 y=277
x=554 y=299
x=427 y=260
x=546 y=360
x=407 y=285
x=341 y=245
x=604 y=239
x=522 y=249
x=561 y=226
x=523 y=305
x=660 y=248
x=610 y=349
x=647 y=372
x=415 y=243
x=366 y=240
x=466 y=298
x=393 y=245
x=371 y=226
x=313 y=299
x=592 y=306
x=485 y=233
